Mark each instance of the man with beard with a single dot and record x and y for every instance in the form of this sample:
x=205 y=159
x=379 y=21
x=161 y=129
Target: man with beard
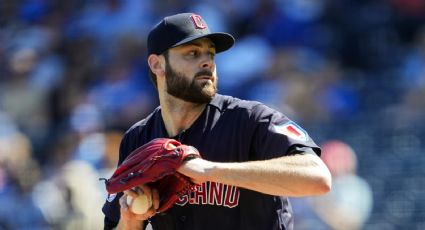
x=253 y=157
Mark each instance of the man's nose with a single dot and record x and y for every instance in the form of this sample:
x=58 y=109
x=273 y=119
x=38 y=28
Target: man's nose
x=207 y=62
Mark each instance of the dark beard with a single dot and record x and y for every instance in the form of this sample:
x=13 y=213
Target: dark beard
x=179 y=86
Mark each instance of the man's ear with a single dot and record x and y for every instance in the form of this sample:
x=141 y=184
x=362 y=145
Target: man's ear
x=156 y=64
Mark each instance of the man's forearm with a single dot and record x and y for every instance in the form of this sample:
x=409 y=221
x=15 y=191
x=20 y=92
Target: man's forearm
x=297 y=175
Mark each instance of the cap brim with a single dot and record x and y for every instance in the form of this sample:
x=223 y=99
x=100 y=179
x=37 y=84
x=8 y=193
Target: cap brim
x=222 y=41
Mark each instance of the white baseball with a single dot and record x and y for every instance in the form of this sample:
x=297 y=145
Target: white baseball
x=139 y=205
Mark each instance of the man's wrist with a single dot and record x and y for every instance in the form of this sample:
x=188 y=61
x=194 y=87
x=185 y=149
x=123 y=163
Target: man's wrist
x=130 y=225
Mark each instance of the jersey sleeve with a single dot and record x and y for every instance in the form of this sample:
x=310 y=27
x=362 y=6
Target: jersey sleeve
x=111 y=207
x=276 y=135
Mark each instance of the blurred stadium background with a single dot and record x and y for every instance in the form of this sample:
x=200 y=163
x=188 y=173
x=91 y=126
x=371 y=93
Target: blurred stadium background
x=73 y=78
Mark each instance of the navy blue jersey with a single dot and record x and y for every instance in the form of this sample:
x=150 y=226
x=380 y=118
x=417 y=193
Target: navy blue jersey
x=228 y=130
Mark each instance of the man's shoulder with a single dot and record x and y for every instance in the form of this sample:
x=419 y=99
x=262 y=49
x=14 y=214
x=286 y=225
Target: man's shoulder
x=229 y=103
x=141 y=125
x=225 y=102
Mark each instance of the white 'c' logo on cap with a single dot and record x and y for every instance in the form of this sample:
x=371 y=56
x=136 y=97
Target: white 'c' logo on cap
x=197 y=20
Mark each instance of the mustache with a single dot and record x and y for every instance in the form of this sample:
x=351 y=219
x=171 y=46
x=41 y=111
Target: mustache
x=204 y=73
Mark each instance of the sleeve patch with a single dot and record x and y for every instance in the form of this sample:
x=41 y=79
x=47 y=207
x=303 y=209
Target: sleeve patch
x=111 y=197
x=292 y=130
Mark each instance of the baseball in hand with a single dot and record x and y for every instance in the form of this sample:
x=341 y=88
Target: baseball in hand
x=139 y=204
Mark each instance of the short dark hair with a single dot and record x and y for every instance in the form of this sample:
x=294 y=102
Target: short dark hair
x=152 y=76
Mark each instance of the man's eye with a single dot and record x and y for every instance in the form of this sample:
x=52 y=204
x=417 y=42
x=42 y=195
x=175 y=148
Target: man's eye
x=193 y=53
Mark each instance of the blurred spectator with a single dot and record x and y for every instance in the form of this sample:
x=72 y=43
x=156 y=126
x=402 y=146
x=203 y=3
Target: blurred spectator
x=409 y=113
x=87 y=123
x=107 y=21
x=412 y=70
x=73 y=197
x=84 y=195
x=250 y=67
x=287 y=23
x=348 y=206
x=19 y=174
x=112 y=144
x=364 y=34
x=409 y=17
x=93 y=143
x=75 y=193
x=413 y=8
x=19 y=98
x=119 y=97
x=306 y=86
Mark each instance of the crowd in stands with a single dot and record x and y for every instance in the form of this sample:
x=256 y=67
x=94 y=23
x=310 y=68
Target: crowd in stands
x=73 y=78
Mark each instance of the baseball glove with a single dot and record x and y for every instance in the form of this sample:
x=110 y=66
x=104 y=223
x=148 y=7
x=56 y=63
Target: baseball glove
x=155 y=164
